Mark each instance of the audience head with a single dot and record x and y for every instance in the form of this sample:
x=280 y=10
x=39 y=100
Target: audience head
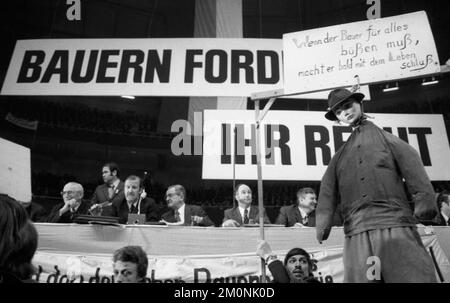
x=18 y=240
x=110 y=172
x=130 y=265
x=133 y=188
x=243 y=195
x=443 y=201
x=298 y=263
x=72 y=190
x=175 y=196
x=306 y=198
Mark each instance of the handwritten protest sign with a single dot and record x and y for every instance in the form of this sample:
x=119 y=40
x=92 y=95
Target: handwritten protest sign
x=375 y=50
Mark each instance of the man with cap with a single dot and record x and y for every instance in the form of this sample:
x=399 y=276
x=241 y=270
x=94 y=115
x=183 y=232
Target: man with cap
x=297 y=267
x=371 y=177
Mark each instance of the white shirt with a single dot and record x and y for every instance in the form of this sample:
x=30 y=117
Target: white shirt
x=115 y=184
x=445 y=218
x=241 y=210
x=303 y=213
x=181 y=212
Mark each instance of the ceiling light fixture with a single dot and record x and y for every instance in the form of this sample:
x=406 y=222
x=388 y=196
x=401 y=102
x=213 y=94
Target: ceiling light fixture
x=433 y=81
x=390 y=89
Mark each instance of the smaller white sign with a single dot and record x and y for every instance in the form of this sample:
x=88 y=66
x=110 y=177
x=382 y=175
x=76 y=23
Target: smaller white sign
x=15 y=170
x=376 y=50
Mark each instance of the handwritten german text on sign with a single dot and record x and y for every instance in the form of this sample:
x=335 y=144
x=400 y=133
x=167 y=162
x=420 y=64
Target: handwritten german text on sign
x=375 y=50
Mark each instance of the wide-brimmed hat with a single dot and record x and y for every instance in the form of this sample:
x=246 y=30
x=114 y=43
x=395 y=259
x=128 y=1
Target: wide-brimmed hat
x=337 y=97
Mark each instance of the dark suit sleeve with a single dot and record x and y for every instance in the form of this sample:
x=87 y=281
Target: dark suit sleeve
x=206 y=220
x=151 y=213
x=54 y=216
x=114 y=211
x=412 y=170
x=95 y=199
x=328 y=201
x=279 y=272
x=226 y=215
x=282 y=217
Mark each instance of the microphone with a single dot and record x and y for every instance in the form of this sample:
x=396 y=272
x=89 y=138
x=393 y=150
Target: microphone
x=142 y=196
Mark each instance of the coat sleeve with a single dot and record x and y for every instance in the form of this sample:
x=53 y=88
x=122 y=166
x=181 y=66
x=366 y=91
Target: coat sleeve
x=151 y=214
x=226 y=215
x=206 y=220
x=328 y=201
x=282 y=217
x=95 y=199
x=54 y=216
x=279 y=272
x=413 y=172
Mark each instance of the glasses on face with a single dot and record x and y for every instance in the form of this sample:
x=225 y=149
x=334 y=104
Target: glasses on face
x=68 y=192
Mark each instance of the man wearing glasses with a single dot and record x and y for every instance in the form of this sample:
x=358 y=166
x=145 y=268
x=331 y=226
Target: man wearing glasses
x=72 y=205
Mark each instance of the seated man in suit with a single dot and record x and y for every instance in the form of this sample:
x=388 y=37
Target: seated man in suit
x=302 y=214
x=181 y=213
x=244 y=213
x=297 y=267
x=130 y=265
x=135 y=202
x=72 y=206
x=443 y=201
x=107 y=193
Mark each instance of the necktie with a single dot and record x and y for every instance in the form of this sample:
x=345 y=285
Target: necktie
x=111 y=191
x=245 y=216
x=305 y=220
x=133 y=209
x=177 y=216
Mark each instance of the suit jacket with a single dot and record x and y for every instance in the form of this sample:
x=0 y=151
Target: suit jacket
x=36 y=212
x=189 y=210
x=289 y=215
x=101 y=195
x=234 y=214
x=148 y=207
x=67 y=217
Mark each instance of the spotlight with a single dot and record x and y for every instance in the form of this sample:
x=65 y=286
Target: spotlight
x=128 y=97
x=433 y=81
x=390 y=89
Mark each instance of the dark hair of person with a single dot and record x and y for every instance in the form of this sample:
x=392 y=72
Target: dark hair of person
x=299 y=251
x=18 y=239
x=134 y=178
x=112 y=167
x=133 y=254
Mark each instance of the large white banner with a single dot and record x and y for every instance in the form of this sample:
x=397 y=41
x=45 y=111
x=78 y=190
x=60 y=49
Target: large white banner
x=375 y=50
x=147 y=67
x=192 y=254
x=298 y=145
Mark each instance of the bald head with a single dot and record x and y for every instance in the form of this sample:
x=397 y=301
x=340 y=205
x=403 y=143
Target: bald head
x=243 y=195
x=73 y=190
